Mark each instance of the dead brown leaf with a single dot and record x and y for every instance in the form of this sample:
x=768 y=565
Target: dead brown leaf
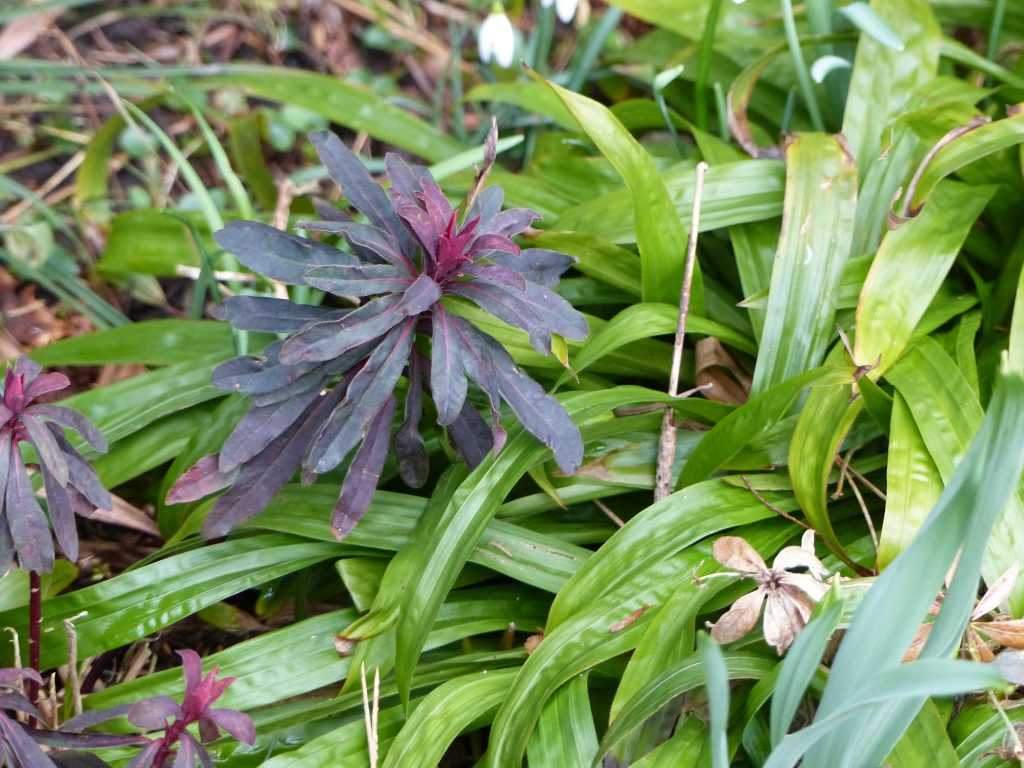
x=719 y=374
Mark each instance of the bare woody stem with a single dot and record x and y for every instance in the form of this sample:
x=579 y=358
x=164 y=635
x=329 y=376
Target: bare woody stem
x=667 y=443
x=35 y=619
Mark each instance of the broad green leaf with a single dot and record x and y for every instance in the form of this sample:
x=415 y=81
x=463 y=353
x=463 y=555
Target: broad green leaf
x=948 y=417
x=346 y=103
x=730 y=435
x=534 y=97
x=891 y=611
x=660 y=531
x=909 y=268
x=136 y=603
x=925 y=744
x=734 y=193
x=683 y=750
x=753 y=244
x=817 y=225
x=153 y=242
x=444 y=713
x=913 y=484
x=392 y=522
x=611 y=624
x=960 y=152
x=565 y=733
x=677 y=680
x=271 y=667
x=442 y=548
x=669 y=638
x=885 y=78
x=127 y=406
x=660 y=232
x=643 y=321
x=150 y=342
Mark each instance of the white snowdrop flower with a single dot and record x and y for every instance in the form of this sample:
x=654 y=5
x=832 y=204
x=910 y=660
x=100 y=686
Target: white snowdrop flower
x=564 y=9
x=497 y=40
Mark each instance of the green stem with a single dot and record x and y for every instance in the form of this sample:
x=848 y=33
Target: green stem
x=803 y=76
x=707 y=50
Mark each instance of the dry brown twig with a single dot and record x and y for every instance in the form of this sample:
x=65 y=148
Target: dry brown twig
x=667 y=443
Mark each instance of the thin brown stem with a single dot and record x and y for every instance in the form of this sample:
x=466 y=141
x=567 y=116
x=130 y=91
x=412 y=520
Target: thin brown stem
x=667 y=443
x=772 y=507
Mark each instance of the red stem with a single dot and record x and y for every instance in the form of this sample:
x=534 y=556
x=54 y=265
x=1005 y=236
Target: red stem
x=35 y=620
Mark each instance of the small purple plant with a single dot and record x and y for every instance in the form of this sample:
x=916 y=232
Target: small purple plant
x=164 y=713
x=326 y=390
x=20 y=744
x=70 y=482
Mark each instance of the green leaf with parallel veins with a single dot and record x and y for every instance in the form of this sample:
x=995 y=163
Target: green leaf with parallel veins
x=817 y=226
x=660 y=232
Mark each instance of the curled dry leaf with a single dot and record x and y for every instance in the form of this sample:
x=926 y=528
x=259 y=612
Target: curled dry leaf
x=788 y=590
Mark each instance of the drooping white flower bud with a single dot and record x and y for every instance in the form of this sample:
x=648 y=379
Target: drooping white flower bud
x=497 y=40
x=564 y=9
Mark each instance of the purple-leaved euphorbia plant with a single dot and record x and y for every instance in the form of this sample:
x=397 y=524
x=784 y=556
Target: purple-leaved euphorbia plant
x=326 y=390
x=70 y=483
x=164 y=713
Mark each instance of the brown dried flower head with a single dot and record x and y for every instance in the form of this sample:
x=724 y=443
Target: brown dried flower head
x=788 y=590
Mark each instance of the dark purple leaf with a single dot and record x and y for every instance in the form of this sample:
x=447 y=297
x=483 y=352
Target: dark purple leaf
x=25 y=750
x=536 y=310
x=252 y=375
x=16 y=702
x=7 y=551
x=447 y=381
x=6 y=414
x=511 y=222
x=366 y=395
x=188 y=753
x=489 y=242
x=83 y=476
x=413 y=462
x=326 y=210
x=420 y=296
x=542 y=415
x=154 y=713
x=46 y=446
x=146 y=756
x=366 y=239
x=45 y=384
x=238 y=724
x=264 y=475
x=497 y=274
x=199 y=481
x=191 y=670
x=259 y=427
x=274 y=253
x=70 y=759
x=405 y=178
x=359 y=188
x=95 y=717
x=28 y=368
x=66 y=740
x=535 y=264
x=263 y=313
x=323 y=341
x=10 y=677
x=61 y=515
x=486 y=206
x=475 y=357
x=358 y=280
x=471 y=436
x=364 y=472
x=72 y=420
x=26 y=520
